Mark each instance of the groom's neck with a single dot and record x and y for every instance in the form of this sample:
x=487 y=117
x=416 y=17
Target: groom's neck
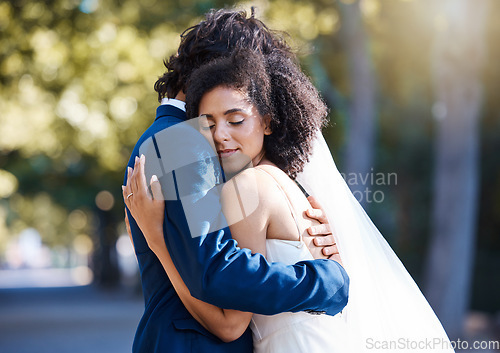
x=181 y=96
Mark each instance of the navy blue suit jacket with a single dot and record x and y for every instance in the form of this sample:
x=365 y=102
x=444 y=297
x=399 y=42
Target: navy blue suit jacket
x=212 y=266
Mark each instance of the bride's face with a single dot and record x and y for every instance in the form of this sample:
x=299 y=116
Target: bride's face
x=235 y=127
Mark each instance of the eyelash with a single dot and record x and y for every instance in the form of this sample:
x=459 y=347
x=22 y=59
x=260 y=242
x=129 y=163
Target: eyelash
x=231 y=122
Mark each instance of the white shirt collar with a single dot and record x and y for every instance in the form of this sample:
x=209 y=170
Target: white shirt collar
x=175 y=102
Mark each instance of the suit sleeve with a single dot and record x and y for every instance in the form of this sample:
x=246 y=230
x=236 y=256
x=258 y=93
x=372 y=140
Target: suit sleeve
x=209 y=261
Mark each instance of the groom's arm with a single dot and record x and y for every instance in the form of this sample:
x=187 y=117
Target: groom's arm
x=213 y=267
x=218 y=272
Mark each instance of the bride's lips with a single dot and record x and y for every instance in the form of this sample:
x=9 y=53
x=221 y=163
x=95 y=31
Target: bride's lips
x=226 y=153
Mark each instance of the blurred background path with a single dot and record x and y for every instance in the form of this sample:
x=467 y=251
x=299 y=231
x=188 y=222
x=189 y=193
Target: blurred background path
x=68 y=319
x=86 y=319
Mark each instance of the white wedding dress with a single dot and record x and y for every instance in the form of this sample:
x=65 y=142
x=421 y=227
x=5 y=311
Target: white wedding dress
x=296 y=332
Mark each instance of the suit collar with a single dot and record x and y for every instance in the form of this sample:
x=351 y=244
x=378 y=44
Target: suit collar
x=170 y=110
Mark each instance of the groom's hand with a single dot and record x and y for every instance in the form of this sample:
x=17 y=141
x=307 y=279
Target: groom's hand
x=327 y=240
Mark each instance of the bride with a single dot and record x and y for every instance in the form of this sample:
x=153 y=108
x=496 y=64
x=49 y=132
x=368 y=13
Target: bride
x=263 y=118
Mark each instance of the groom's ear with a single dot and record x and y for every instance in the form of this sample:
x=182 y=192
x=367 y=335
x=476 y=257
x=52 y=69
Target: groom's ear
x=267 y=125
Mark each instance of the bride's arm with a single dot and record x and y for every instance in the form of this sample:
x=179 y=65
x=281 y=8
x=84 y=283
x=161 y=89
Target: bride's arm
x=226 y=324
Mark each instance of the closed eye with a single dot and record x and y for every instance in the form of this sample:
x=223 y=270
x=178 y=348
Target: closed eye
x=236 y=122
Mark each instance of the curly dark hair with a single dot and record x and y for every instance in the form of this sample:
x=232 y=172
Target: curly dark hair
x=222 y=32
x=278 y=88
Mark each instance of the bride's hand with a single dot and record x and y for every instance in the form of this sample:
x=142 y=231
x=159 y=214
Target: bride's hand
x=147 y=210
x=327 y=240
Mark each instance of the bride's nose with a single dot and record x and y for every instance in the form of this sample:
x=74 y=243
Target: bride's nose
x=221 y=133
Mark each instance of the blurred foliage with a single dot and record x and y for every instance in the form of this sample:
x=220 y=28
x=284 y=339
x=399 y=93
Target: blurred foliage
x=76 y=91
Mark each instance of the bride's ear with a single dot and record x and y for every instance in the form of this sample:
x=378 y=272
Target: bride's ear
x=267 y=124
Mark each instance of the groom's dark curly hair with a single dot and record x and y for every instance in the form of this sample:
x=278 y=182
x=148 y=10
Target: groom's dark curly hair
x=278 y=88
x=220 y=34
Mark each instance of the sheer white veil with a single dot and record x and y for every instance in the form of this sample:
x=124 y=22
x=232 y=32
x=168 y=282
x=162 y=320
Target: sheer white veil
x=386 y=311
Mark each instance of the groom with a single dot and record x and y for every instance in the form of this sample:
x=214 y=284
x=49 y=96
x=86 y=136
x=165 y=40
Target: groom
x=212 y=266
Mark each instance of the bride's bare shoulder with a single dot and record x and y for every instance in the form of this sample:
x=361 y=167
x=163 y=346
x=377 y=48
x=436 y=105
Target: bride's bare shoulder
x=246 y=200
x=273 y=175
x=249 y=182
x=250 y=189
